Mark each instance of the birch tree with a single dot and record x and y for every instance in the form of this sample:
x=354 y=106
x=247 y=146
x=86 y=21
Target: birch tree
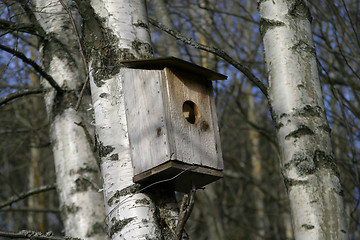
x=116 y=31
x=77 y=174
x=303 y=133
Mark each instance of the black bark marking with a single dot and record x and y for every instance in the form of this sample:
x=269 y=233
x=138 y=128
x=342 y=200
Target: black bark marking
x=63 y=100
x=299 y=9
x=142 y=48
x=279 y=125
x=114 y=157
x=302 y=130
x=118 y=225
x=141 y=24
x=132 y=189
x=266 y=24
x=303 y=48
x=66 y=210
x=289 y=182
x=308 y=226
x=97 y=228
x=103 y=95
x=103 y=151
x=87 y=169
x=324 y=160
x=143 y=201
x=309 y=111
x=83 y=184
x=304 y=163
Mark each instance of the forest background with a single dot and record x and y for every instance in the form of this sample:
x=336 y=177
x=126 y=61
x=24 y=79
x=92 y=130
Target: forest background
x=251 y=199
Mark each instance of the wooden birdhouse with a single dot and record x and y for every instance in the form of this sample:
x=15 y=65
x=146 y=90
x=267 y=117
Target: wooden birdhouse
x=172 y=123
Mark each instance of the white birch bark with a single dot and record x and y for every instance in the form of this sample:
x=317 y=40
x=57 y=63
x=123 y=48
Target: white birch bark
x=303 y=133
x=124 y=34
x=76 y=171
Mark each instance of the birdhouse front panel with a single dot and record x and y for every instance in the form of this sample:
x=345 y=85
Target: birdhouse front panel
x=194 y=131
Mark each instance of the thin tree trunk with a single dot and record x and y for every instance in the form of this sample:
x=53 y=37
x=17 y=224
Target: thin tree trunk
x=124 y=34
x=76 y=171
x=308 y=167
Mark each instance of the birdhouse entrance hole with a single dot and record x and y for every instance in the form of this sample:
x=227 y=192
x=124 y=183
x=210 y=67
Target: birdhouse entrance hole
x=191 y=112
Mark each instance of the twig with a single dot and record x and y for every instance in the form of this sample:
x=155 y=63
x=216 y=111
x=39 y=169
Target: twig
x=18 y=27
x=186 y=207
x=81 y=52
x=34 y=235
x=34 y=65
x=76 y=32
x=90 y=140
x=27 y=194
x=82 y=92
x=18 y=94
x=218 y=52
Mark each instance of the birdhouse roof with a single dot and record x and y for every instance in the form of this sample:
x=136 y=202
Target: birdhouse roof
x=173 y=63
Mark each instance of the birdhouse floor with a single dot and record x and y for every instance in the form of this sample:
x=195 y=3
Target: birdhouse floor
x=178 y=176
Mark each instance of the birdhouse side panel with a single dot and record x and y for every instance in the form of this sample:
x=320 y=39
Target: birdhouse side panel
x=146 y=118
x=220 y=164
x=191 y=118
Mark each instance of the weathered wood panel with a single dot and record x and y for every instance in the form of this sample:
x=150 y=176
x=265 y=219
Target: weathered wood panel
x=146 y=117
x=194 y=143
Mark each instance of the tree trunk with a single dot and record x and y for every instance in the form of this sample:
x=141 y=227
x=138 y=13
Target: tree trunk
x=77 y=176
x=114 y=31
x=308 y=167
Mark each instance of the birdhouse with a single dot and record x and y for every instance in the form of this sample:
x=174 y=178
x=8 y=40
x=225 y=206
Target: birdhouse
x=172 y=123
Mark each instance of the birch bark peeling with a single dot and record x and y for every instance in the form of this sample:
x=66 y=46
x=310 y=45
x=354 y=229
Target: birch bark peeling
x=316 y=196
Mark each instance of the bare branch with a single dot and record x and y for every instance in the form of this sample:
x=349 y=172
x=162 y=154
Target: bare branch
x=186 y=207
x=82 y=93
x=34 y=235
x=77 y=34
x=27 y=194
x=19 y=27
x=218 y=52
x=81 y=52
x=25 y=4
x=18 y=94
x=34 y=65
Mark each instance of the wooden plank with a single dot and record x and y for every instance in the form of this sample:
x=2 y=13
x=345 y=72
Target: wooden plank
x=216 y=132
x=146 y=118
x=174 y=63
x=178 y=176
x=193 y=143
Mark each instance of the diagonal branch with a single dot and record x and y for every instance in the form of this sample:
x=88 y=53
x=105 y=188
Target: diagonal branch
x=18 y=94
x=186 y=207
x=77 y=34
x=27 y=194
x=19 y=27
x=30 y=13
x=218 y=52
x=25 y=234
x=34 y=65
x=81 y=52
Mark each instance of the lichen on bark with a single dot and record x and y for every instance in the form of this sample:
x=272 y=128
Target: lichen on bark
x=132 y=189
x=118 y=225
